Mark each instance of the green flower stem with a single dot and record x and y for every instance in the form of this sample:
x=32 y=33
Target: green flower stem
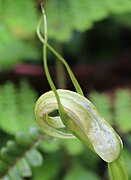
x=77 y=117
x=50 y=81
x=73 y=78
x=117 y=169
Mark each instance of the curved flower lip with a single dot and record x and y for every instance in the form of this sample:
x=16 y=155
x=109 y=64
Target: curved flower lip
x=82 y=120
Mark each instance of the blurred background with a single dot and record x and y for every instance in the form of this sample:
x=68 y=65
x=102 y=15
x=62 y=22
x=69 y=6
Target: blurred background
x=95 y=38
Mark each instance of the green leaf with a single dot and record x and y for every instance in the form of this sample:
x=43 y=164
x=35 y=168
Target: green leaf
x=6 y=178
x=6 y=156
x=34 y=133
x=23 y=140
x=34 y=157
x=13 y=174
x=13 y=148
x=24 y=168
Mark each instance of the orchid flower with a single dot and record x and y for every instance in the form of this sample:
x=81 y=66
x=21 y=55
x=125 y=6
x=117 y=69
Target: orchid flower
x=77 y=117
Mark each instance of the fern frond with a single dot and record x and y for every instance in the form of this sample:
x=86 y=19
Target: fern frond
x=80 y=15
x=103 y=105
x=59 y=19
x=118 y=7
x=20 y=155
x=123 y=110
x=121 y=114
x=16 y=107
x=80 y=18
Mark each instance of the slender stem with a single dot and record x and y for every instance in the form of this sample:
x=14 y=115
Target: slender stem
x=73 y=78
x=50 y=81
x=117 y=169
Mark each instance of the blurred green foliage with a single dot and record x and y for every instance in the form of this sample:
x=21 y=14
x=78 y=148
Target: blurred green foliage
x=18 y=21
x=79 y=15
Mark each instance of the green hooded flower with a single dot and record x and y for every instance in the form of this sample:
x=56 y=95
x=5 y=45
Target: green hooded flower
x=77 y=117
